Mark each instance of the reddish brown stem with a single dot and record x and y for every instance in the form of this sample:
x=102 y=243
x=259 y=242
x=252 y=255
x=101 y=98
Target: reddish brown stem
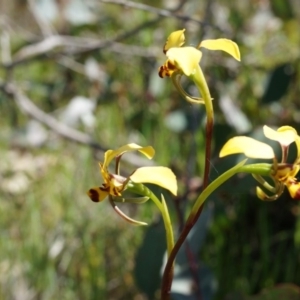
x=168 y=272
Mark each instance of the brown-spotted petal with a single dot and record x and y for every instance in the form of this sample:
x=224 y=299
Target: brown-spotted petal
x=96 y=194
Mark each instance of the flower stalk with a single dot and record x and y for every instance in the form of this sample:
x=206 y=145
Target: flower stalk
x=192 y=219
x=185 y=60
x=161 y=205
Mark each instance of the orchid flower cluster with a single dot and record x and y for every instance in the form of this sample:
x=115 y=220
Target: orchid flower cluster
x=185 y=61
x=283 y=174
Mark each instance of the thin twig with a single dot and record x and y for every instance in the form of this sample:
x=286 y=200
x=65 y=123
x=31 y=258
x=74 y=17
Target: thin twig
x=76 y=45
x=158 y=11
x=52 y=42
x=73 y=44
x=30 y=109
x=45 y=26
x=5 y=44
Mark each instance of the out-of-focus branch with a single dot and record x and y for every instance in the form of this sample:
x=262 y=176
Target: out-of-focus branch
x=158 y=11
x=50 y=43
x=5 y=44
x=30 y=109
x=62 y=47
x=135 y=50
x=45 y=26
x=73 y=44
x=69 y=45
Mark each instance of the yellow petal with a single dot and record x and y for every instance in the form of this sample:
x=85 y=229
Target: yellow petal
x=285 y=135
x=175 y=39
x=105 y=174
x=161 y=176
x=223 y=44
x=294 y=189
x=96 y=195
x=250 y=147
x=186 y=59
x=297 y=141
x=111 y=154
x=263 y=196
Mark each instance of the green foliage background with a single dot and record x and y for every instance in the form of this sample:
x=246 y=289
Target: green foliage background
x=54 y=242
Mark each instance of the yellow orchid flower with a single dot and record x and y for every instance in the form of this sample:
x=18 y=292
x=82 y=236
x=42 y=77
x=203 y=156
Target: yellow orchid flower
x=115 y=184
x=186 y=59
x=282 y=173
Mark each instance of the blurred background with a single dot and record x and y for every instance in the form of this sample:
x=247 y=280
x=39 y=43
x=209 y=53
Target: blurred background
x=79 y=77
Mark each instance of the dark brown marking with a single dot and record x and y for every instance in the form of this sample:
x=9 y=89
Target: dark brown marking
x=94 y=195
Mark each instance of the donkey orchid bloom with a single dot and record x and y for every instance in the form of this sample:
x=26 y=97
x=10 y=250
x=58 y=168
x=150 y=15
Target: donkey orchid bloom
x=115 y=184
x=283 y=173
x=186 y=59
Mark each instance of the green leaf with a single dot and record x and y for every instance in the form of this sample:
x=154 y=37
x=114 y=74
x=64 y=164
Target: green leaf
x=149 y=259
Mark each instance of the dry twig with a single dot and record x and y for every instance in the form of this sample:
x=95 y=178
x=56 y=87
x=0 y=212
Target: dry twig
x=160 y=12
x=30 y=109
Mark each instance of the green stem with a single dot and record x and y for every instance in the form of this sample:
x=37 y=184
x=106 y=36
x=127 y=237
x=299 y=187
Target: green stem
x=143 y=190
x=199 y=80
x=167 y=221
x=168 y=225
x=214 y=185
x=168 y=272
x=262 y=169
